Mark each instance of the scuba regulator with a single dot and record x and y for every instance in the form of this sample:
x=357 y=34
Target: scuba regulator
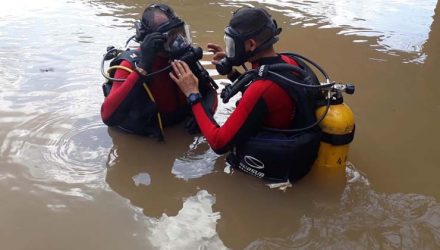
x=177 y=44
x=191 y=56
x=333 y=90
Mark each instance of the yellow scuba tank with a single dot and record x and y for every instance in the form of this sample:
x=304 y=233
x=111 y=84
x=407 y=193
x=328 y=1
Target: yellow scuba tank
x=337 y=130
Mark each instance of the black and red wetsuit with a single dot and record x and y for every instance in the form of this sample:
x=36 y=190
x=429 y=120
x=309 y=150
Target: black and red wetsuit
x=275 y=156
x=264 y=103
x=129 y=107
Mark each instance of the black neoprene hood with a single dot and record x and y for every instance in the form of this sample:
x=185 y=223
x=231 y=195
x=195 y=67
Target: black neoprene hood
x=173 y=22
x=248 y=20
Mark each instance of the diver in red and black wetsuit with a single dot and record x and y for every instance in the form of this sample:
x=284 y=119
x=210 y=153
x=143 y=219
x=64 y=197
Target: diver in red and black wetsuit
x=145 y=99
x=265 y=103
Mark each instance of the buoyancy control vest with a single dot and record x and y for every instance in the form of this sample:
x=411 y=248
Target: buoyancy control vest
x=132 y=56
x=144 y=118
x=280 y=156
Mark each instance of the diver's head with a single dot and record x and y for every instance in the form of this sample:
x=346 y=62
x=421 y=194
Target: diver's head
x=251 y=31
x=161 y=18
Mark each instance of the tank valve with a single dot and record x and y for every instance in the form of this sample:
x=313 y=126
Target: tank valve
x=344 y=87
x=111 y=53
x=349 y=88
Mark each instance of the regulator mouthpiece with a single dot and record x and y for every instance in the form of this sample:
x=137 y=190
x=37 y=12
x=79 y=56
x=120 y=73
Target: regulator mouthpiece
x=224 y=66
x=193 y=55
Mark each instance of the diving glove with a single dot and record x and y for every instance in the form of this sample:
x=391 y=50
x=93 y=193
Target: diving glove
x=151 y=44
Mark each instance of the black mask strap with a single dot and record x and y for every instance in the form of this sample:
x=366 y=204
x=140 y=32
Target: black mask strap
x=164 y=9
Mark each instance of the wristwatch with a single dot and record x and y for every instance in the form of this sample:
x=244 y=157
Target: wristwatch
x=194 y=98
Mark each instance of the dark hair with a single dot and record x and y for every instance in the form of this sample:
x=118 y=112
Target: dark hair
x=247 y=20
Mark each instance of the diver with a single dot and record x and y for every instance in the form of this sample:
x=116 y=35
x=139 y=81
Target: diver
x=272 y=132
x=140 y=97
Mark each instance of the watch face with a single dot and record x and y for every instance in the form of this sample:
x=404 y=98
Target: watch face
x=193 y=98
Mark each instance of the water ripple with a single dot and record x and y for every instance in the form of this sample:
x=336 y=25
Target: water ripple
x=197 y=162
x=366 y=220
x=382 y=20
x=55 y=150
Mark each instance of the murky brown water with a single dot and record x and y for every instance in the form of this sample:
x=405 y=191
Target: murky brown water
x=69 y=182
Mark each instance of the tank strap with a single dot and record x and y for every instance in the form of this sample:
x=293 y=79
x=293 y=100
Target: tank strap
x=338 y=140
x=159 y=117
x=131 y=56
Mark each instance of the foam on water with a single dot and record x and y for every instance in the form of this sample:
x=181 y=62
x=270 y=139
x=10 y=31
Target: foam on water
x=194 y=227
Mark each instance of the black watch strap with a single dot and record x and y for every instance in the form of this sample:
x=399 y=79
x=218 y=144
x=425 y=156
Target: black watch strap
x=194 y=98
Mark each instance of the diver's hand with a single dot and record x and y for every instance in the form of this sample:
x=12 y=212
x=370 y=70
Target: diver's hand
x=149 y=47
x=184 y=77
x=218 y=51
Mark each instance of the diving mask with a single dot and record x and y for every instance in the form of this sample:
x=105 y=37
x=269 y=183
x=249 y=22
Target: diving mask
x=230 y=46
x=178 y=39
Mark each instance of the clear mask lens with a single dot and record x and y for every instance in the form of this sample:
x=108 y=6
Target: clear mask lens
x=180 y=42
x=177 y=38
x=230 y=46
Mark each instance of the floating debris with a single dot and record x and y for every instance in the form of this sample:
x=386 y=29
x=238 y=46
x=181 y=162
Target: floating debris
x=280 y=185
x=47 y=70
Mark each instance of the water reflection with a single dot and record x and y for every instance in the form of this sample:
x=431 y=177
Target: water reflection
x=50 y=108
x=58 y=159
x=194 y=227
x=132 y=156
x=248 y=208
x=365 y=219
x=56 y=150
x=196 y=162
x=397 y=26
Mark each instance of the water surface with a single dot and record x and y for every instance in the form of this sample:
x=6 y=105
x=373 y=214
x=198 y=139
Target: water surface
x=69 y=182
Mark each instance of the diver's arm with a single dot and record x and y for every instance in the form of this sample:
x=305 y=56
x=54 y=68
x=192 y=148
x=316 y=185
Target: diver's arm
x=117 y=104
x=245 y=121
